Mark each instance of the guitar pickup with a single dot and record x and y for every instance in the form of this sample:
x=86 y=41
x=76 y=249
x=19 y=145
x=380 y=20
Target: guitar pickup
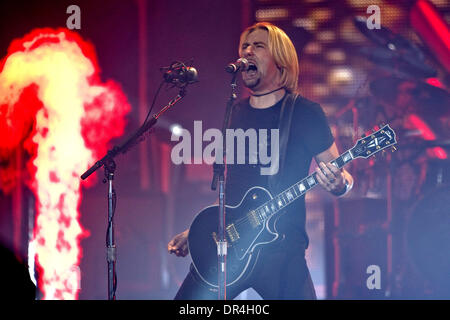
x=232 y=232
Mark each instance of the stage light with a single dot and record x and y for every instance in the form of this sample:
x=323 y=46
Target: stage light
x=435 y=82
x=349 y=33
x=363 y=4
x=305 y=23
x=392 y=16
x=313 y=48
x=271 y=14
x=321 y=15
x=176 y=129
x=326 y=36
x=320 y=89
x=340 y=76
x=440 y=3
x=335 y=55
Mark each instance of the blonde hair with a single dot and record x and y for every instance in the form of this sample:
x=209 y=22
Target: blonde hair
x=281 y=49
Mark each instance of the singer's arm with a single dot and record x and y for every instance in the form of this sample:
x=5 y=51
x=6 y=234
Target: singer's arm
x=179 y=243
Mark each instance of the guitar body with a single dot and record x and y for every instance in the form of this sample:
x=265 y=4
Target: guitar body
x=245 y=233
x=251 y=224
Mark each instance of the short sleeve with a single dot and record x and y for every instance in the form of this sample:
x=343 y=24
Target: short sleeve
x=315 y=128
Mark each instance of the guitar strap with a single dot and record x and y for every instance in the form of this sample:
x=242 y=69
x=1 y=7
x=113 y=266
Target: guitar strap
x=284 y=126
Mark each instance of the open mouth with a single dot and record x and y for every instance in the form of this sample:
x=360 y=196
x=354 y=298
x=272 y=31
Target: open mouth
x=252 y=69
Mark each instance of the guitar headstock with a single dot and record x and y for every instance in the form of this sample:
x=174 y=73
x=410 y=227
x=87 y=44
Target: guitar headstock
x=374 y=143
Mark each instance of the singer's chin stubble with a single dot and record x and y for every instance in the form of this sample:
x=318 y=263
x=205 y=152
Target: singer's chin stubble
x=252 y=83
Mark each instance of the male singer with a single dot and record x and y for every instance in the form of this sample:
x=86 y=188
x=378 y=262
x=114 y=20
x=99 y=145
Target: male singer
x=281 y=271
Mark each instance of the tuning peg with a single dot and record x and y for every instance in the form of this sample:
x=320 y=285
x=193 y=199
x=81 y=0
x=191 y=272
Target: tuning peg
x=394 y=148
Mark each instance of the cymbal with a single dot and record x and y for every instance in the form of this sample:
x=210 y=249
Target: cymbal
x=384 y=37
x=404 y=65
x=394 y=51
x=411 y=96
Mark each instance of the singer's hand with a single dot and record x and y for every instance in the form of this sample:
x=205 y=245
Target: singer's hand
x=179 y=244
x=330 y=178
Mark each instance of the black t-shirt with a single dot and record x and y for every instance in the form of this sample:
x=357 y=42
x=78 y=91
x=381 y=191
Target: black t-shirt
x=309 y=135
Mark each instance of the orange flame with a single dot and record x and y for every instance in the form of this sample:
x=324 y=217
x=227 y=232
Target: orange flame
x=53 y=104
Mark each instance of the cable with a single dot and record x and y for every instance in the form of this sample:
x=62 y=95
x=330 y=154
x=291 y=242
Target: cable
x=153 y=102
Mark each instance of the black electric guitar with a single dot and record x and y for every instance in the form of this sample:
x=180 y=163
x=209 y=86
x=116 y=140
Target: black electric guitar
x=251 y=224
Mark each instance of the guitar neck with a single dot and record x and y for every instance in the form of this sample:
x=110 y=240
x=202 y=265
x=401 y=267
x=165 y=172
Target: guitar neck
x=297 y=190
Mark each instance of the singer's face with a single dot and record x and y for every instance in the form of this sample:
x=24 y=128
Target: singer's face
x=263 y=74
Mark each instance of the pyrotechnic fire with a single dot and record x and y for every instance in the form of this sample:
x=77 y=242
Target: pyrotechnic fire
x=53 y=104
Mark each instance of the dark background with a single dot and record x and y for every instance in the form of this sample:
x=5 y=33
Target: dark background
x=207 y=32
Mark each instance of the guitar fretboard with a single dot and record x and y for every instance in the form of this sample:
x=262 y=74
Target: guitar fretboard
x=271 y=207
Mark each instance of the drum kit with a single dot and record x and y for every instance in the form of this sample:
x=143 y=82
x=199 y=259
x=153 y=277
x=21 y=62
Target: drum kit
x=416 y=179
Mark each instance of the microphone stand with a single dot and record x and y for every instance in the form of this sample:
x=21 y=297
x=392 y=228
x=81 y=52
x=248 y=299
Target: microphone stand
x=109 y=165
x=218 y=176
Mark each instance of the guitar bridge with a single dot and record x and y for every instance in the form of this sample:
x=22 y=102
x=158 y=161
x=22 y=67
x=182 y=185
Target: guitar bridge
x=254 y=219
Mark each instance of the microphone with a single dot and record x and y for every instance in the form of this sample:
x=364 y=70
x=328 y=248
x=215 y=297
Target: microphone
x=180 y=74
x=240 y=65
